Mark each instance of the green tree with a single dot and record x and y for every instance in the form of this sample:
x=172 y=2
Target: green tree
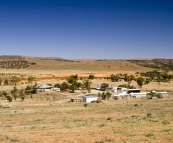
x=104 y=86
x=57 y=85
x=147 y=80
x=91 y=76
x=127 y=78
x=14 y=80
x=64 y=86
x=152 y=94
x=87 y=85
x=85 y=105
x=140 y=81
x=73 y=82
x=79 y=85
x=9 y=98
x=103 y=95
x=6 y=81
x=22 y=93
x=31 y=79
x=14 y=92
x=0 y=81
x=114 y=78
x=108 y=95
x=5 y=94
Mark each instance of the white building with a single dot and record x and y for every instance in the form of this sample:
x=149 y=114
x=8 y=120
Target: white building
x=88 y=99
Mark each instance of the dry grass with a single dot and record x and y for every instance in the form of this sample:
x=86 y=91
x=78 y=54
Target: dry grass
x=49 y=118
x=42 y=119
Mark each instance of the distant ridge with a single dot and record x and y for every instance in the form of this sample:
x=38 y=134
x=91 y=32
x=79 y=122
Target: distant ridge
x=29 y=57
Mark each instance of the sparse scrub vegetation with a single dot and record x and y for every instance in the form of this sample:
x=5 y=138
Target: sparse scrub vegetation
x=15 y=64
x=149 y=134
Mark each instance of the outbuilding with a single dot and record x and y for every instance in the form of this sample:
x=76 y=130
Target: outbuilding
x=44 y=87
x=88 y=99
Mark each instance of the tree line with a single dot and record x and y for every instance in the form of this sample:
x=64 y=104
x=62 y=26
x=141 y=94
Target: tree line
x=15 y=64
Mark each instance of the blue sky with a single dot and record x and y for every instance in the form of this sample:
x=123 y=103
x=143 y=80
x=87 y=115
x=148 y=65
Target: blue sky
x=87 y=29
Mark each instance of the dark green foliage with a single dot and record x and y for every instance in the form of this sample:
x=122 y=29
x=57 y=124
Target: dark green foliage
x=31 y=89
x=5 y=94
x=0 y=81
x=165 y=122
x=114 y=78
x=109 y=118
x=22 y=93
x=127 y=86
x=140 y=81
x=149 y=115
x=72 y=80
x=79 y=85
x=49 y=84
x=164 y=64
x=58 y=85
x=147 y=80
x=149 y=134
x=9 y=98
x=14 y=80
x=64 y=86
x=104 y=95
x=31 y=79
x=6 y=82
x=104 y=86
x=87 y=85
x=128 y=78
x=14 y=92
x=85 y=105
x=91 y=76
x=157 y=76
x=154 y=94
x=15 y=64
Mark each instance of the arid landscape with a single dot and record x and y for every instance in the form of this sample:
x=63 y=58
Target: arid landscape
x=51 y=117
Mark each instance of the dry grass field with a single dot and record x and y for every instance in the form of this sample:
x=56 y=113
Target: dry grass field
x=48 y=117
x=42 y=119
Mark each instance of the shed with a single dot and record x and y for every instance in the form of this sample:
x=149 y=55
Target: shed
x=44 y=87
x=76 y=99
x=88 y=99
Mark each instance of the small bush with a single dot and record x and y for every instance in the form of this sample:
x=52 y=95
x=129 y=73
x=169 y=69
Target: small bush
x=102 y=125
x=149 y=115
x=136 y=105
x=14 y=140
x=109 y=118
x=99 y=142
x=149 y=134
x=154 y=120
x=168 y=130
x=91 y=77
x=165 y=122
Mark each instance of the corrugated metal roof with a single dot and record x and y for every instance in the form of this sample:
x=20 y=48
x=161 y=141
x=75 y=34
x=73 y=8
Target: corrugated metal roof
x=43 y=86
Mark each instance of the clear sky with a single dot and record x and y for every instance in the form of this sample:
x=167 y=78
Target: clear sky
x=87 y=29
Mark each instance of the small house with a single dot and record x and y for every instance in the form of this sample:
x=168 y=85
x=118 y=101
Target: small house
x=88 y=99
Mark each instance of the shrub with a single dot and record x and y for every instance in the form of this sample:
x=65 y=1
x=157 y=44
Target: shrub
x=127 y=86
x=136 y=105
x=109 y=118
x=149 y=115
x=91 y=76
x=149 y=134
x=154 y=120
x=154 y=94
x=102 y=125
x=165 y=122
x=168 y=130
